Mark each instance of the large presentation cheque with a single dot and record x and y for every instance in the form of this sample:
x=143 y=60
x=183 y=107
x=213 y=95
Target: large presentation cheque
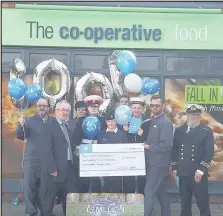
x=112 y=160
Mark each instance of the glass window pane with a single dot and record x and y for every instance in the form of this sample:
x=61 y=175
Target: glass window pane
x=35 y=59
x=7 y=58
x=146 y=63
x=52 y=83
x=91 y=62
x=185 y=64
x=217 y=64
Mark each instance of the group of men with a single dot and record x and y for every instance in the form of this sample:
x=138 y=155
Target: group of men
x=51 y=163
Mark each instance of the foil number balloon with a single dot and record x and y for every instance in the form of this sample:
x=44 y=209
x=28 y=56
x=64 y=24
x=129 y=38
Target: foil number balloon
x=53 y=65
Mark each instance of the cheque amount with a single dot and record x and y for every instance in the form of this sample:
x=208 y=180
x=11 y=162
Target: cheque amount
x=116 y=163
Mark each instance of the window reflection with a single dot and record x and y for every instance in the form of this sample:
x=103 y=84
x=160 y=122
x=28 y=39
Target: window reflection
x=52 y=83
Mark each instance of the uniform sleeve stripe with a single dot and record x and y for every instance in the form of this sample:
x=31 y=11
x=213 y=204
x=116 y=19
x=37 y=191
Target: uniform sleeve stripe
x=205 y=164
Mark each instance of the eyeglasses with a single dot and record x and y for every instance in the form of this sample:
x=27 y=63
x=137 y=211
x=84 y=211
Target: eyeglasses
x=94 y=106
x=64 y=110
x=155 y=105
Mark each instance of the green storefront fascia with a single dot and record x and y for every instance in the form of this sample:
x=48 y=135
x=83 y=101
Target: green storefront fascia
x=112 y=27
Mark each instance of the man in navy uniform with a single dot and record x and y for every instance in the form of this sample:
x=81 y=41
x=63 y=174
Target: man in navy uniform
x=158 y=146
x=30 y=129
x=134 y=184
x=192 y=153
x=108 y=136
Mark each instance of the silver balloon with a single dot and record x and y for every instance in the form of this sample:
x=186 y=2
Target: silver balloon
x=104 y=106
x=82 y=85
x=17 y=69
x=117 y=78
x=59 y=68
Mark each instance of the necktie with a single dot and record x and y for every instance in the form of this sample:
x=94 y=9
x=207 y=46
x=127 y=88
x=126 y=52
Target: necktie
x=189 y=129
x=65 y=132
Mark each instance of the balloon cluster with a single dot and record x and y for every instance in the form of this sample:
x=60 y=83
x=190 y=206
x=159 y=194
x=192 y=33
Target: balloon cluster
x=17 y=88
x=126 y=63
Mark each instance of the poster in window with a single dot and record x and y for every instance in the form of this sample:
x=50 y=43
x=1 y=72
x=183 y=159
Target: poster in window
x=209 y=94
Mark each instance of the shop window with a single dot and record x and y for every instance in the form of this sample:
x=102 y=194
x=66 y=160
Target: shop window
x=217 y=64
x=91 y=62
x=208 y=93
x=185 y=64
x=7 y=59
x=146 y=63
x=35 y=59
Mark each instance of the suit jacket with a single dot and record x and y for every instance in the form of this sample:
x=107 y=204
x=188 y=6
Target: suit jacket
x=54 y=156
x=72 y=124
x=193 y=150
x=32 y=132
x=160 y=140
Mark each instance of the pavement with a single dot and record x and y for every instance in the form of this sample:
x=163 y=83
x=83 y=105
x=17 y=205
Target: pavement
x=9 y=210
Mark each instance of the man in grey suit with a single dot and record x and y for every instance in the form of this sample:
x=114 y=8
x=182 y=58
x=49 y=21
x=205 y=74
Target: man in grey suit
x=158 y=146
x=57 y=173
x=30 y=129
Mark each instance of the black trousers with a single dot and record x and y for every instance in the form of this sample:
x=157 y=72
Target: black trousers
x=31 y=185
x=188 y=186
x=50 y=189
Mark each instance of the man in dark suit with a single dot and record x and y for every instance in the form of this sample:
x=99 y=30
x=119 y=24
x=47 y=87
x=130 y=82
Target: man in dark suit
x=81 y=111
x=158 y=146
x=58 y=175
x=192 y=153
x=30 y=129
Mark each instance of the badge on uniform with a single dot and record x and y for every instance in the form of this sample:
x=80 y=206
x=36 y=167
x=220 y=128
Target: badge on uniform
x=135 y=124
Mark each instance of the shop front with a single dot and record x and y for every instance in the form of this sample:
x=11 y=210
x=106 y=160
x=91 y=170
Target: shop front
x=182 y=48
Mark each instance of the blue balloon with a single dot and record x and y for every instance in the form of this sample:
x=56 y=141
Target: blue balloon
x=126 y=62
x=123 y=115
x=150 y=86
x=33 y=93
x=91 y=126
x=16 y=88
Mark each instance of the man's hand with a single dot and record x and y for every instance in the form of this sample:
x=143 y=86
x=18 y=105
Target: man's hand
x=77 y=147
x=146 y=146
x=125 y=128
x=140 y=131
x=22 y=120
x=197 y=177
x=54 y=174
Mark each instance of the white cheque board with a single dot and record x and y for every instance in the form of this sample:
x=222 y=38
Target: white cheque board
x=112 y=160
